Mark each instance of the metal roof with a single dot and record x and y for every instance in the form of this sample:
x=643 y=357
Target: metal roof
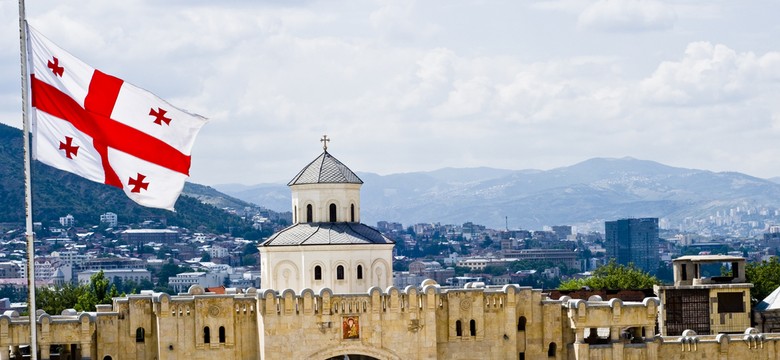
x=325 y=169
x=771 y=302
x=709 y=258
x=327 y=233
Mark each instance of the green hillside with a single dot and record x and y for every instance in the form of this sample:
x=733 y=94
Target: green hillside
x=57 y=193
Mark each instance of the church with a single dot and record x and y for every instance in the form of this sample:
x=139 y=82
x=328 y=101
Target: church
x=327 y=294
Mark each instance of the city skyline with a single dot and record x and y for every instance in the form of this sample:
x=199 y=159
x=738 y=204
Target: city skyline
x=412 y=86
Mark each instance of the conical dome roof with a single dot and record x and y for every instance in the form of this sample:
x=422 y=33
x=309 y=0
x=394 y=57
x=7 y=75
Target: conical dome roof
x=325 y=169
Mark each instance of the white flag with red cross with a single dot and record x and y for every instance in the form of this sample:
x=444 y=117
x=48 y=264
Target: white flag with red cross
x=97 y=126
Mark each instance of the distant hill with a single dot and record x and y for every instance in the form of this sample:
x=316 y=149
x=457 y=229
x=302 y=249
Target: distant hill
x=57 y=193
x=583 y=194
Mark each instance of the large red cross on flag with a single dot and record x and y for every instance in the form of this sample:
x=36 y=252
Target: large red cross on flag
x=106 y=130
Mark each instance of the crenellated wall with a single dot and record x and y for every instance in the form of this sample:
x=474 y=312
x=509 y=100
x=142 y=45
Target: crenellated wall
x=427 y=322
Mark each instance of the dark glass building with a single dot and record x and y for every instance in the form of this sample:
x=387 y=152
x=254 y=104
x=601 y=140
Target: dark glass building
x=633 y=241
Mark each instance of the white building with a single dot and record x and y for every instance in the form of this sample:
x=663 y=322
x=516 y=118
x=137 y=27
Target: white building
x=327 y=246
x=217 y=252
x=109 y=219
x=67 y=221
x=136 y=275
x=70 y=257
x=183 y=281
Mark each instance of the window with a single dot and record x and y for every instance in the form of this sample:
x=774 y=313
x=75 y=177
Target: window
x=731 y=302
x=473 y=327
x=551 y=350
x=317 y=273
x=309 y=213
x=222 y=334
x=458 y=329
x=139 y=335
x=360 y=272
x=332 y=213
x=206 y=335
x=521 y=323
x=295 y=214
x=521 y=356
x=684 y=271
x=107 y=357
x=352 y=212
x=339 y=272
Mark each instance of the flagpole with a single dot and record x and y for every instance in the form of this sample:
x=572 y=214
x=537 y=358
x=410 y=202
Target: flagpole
x=28 y=234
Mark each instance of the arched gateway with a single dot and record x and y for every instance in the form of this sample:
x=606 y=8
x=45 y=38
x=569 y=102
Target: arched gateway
x=352 y=357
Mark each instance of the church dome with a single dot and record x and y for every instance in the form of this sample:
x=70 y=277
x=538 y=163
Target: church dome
x=325 y=169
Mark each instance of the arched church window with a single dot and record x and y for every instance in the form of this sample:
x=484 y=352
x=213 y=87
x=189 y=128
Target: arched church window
x=317 y=273
x=352 y=212
x=340 y=272
x=221 y=334
x=551 y=350
x=458 y=328
x=521 y=323
x=309 y=213
x=332 y=213
x=139 y=335
x=473 y=327
x=360 y=272
x=206 y=335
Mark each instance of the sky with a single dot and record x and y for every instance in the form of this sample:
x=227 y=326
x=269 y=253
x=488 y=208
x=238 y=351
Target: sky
x=403 y=85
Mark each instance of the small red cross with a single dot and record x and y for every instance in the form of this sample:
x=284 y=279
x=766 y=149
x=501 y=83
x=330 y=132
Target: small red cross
x=55 y=67
x=69 y=148
x=138 y=183
x=159 y=116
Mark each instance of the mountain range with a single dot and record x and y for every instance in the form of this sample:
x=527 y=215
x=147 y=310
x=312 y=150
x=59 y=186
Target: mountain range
x=585 y=194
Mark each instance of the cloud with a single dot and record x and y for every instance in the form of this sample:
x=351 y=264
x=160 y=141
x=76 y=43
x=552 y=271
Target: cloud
x=711 y=74
x=628 y=16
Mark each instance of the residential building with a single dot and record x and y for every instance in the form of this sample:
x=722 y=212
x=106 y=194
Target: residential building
x=110 y=219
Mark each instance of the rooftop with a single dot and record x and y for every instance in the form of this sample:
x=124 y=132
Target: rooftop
x=325 y=169
x=327 y=233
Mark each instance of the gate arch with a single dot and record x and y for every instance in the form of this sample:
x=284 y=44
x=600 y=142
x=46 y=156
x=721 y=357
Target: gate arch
x=353 y=349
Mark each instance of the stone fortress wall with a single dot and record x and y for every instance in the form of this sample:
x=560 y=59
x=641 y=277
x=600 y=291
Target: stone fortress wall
x=427 y=322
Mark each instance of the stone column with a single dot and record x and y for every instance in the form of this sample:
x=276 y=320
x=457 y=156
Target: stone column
x=616 y=342
x=580 y=336
x=649 y=335
x=86 y=351
x=45 y=351
x=4 y=353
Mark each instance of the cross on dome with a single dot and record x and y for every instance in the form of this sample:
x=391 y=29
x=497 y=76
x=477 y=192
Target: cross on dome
x=324 y=142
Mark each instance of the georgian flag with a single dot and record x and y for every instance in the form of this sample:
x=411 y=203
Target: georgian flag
x=97 y=126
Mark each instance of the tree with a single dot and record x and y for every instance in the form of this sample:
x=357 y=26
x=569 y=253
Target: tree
x=55 y=300
x=206 y=257
x=765 y=277
x=96 y=292
x=613 y=276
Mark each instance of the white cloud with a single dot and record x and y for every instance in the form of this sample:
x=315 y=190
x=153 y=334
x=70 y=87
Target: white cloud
x=440 y=83
x=628 y=15
x=711 y=74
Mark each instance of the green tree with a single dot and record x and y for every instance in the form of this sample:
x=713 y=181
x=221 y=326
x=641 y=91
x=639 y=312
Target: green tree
x=55 y=300
x=613 y=276
x=765 y=277
x=97 y=292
